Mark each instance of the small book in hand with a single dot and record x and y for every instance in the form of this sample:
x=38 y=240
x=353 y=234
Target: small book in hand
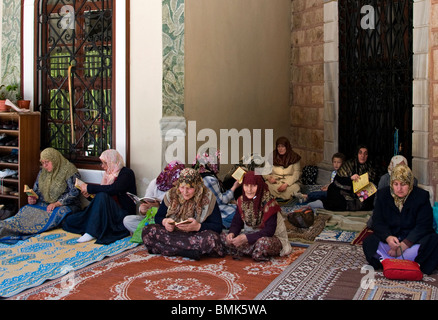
x=137 y=199
x=79 y=183
x=239 y=174
x=181 y=222
x=30 y=191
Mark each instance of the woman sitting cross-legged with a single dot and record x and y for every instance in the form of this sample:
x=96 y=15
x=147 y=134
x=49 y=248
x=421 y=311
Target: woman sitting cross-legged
x=259 y=215
x=402 y=224
x=57 y=197
x=194 y=203
x=102 y=220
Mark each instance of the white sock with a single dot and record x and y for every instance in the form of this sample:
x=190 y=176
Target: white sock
x=85 y=238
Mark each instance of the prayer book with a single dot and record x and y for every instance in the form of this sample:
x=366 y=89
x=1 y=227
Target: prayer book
x=137 y=199
x=79 y=183
x=181 y=222
x=239 y=174
x=30 y=191
x=364 y=188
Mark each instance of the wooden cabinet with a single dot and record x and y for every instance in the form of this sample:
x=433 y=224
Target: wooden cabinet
x=20 y=152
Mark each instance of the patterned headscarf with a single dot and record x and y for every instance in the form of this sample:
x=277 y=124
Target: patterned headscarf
x=290 y=157
x=353 y=166
x=403 y=174
x=396 y=160
x=169 y=175
x=53 y=184
x=200 y=206
x=206 y=163
x=256 y=211
x=114 y=163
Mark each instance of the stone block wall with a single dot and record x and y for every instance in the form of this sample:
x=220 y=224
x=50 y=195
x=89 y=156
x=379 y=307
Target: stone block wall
x=307 y=80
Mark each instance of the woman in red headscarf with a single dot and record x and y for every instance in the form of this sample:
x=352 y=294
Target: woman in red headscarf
x=259 y=215
x=286 y=171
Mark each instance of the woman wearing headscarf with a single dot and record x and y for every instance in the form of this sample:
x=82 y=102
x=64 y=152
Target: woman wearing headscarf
x=286 y=171
x=157 y=188
x=259 y=216
x=102 y=220
x=57 y=197
x=192 y=203
x=208 y=167
x=340 y=194
x=403 y=223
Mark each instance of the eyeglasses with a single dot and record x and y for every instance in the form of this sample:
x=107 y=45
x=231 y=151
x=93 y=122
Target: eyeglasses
x=44 y=162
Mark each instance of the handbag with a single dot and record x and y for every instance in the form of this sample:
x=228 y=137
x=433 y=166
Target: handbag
x=401 y=269
x=302 y=218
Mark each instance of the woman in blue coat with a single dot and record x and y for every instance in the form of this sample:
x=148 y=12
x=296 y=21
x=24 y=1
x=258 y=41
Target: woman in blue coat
x=403 y=222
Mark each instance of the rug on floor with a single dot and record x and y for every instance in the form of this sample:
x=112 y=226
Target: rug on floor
x=137 y=275
x=339 y=271
x=49 y=255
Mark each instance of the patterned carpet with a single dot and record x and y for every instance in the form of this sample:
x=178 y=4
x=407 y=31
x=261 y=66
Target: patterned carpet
x=137 y=275
x=334 y=271
x=47 y=256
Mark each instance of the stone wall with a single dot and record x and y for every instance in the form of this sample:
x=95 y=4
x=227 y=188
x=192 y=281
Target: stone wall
x=307 y=80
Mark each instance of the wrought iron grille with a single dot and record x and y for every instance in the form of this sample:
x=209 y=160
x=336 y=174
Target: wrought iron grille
x=74 y=66
x=375 y=77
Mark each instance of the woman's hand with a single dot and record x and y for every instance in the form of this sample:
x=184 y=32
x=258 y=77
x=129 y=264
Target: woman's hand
x=283 y=187
x=168 y=224
x=355 y=177
x=144 y=207
x=188 y=227
x=272 y=180
x=84 y=190
x=240 y=240
x=229 y=238
x=31 y=200
x=53 y=205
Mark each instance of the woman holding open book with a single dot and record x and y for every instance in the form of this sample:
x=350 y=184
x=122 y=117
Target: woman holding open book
x=340 y=194
x=188 y=221
x=53 y=197
x=102 y=219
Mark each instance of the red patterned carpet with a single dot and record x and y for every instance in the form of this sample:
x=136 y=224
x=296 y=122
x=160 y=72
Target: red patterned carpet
x=136 y=275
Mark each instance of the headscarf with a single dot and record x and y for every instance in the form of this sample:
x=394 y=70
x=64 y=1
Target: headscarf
x=199 y=207
x=403 y=174
x=396 y=160
x=206 y=163
x=353 y=166
x=53 y=184
x=290 y=157
x=114 y=163
x=169 y=175
x=256 y=211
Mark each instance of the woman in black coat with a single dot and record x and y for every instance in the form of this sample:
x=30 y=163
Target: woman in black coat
x=403 y=221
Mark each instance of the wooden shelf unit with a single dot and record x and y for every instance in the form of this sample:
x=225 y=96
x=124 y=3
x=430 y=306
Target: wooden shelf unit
x=27 y=130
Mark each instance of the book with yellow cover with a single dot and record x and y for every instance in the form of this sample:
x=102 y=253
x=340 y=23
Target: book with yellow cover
x=30 y=191
x=239 y=174
x=79 y=183
x=363 y=187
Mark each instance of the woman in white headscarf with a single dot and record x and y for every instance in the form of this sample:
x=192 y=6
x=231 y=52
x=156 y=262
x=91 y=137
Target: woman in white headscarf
x=102 y=220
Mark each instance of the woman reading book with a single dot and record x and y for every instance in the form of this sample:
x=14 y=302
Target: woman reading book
x=340 y=194
x=192 y=202
x=55 y=197
x=102 y=219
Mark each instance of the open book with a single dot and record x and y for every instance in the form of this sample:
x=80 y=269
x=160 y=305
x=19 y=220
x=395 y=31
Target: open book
x=239 y=174
x=137 y=199
x=364 y=188
x=181 y=222
x=13 y=106
x=79 y=183
x=30 y=191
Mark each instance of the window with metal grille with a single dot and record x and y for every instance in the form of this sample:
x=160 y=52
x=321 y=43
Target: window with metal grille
x=375 y=78
x=74 y=77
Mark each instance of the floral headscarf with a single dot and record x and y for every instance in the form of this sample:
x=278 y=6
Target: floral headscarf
x=403 y=174
x=200 y=206
x=169 y=175
x=206 y=163
x=114 y=163
x=396 y=160
x=257 y=210
x=53 y=184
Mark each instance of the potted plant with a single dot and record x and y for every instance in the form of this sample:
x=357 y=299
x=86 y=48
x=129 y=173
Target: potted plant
x=3 y=107
x=20 y=102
